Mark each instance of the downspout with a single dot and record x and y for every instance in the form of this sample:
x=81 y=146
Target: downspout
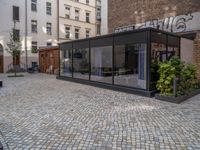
x=58 y=34
x=26 y=34
x=58 y=20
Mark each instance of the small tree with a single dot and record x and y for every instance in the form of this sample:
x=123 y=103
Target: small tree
x=14 y=48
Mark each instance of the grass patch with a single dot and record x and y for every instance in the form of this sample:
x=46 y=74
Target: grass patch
x=13 y=76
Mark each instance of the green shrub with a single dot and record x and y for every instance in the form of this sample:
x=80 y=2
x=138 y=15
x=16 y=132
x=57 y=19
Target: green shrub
x=188 y=79
x=175 y=68
x=165 y=82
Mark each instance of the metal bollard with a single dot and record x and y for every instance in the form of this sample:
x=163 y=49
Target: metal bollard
x=1 y=146
x=1 y=83
x=175 y=81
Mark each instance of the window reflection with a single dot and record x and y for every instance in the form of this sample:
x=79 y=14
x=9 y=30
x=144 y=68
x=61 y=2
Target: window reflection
x=101 y=64
x=130 y=65
x=172 y=51
x=66 y=63
x=161 y=51
x=158 y=52
x=81 y=63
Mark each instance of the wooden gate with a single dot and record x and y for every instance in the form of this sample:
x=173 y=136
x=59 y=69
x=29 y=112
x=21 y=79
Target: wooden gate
x=49 y=60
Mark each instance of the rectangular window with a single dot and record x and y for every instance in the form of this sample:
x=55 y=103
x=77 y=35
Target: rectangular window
x=98 y=2
x=48 y=8
x=34 y=64
x=67 y=12
x=101 y=64
x=76 y=33
x=34 y=47
x=99 y=13
x=81 y=63
x=87 y=17
x=66 y=61
x=87 y=2
x=76 y=14
x=67 y=32
x=87 y=33
x=98 y=29
x=49 y=32
x=130 y=65
x=16 y=35
x=15 y=13
x=34 y=26
x=34 y=5
x=49 y=44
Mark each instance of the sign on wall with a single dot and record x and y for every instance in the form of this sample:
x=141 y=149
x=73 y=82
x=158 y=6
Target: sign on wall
x=181 y=23
x=124 y=29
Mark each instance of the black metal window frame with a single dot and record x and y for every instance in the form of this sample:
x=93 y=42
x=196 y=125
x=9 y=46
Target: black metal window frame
x=161 y=41
x=147 y=38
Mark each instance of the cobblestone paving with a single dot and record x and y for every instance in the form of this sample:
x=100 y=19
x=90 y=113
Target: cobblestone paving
x=40 y=112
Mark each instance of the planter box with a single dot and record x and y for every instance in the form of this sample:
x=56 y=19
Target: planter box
x=178 y=99
x=1 y=83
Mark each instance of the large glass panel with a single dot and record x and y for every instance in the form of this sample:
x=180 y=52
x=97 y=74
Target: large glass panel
x=172 y=51
x=173 y=46
x=158 y=52
x=130 y=65
x=81 y=63
x=66 y=63
x=101 y=64
x=163 y=47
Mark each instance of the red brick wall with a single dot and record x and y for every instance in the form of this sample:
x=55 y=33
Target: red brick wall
x=126 y=12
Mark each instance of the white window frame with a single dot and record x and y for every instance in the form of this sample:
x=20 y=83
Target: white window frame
x=49 y=28
x=77 y=14
x=77 y=33
x=33 y=2
x=87 y=33
x=48 y=8
x=34 y=46
x=67 y=32
x=87 y=17
x=67 y=12
x=34 y=26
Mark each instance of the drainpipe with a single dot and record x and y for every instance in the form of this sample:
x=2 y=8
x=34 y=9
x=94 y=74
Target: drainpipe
x=26 y=33
x=58 y=20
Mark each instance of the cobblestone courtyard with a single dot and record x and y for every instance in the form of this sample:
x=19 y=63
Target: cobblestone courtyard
x=40 y=112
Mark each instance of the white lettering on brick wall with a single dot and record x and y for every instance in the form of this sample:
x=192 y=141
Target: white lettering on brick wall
x=179 y=23
x=124 y=29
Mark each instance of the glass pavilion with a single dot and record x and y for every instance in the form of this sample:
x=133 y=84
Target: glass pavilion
x=120 y=61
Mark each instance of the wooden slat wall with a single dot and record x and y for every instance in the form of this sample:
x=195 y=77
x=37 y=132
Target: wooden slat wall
x=49 y=57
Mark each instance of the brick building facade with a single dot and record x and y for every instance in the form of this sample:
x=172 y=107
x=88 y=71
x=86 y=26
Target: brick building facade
x=182 y=17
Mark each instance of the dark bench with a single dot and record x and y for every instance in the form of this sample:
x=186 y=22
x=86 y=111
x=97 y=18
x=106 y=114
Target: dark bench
x=1 y=83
